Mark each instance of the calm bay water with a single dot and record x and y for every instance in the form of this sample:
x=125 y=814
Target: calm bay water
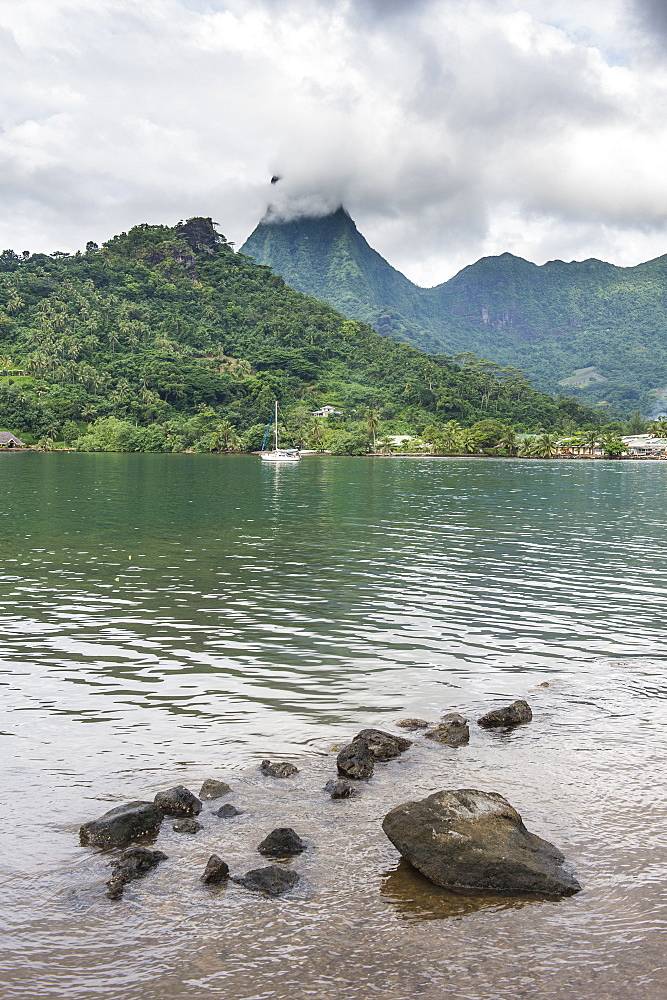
x=171 y=618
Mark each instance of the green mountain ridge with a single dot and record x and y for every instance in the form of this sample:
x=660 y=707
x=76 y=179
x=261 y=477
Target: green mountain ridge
x=168 y=330
x=548 y=320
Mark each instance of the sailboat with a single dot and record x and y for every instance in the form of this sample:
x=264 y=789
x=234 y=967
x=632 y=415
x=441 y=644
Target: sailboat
x=278 y=454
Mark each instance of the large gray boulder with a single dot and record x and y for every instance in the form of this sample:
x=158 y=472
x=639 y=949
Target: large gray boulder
x=467 y=839
x=120 y=826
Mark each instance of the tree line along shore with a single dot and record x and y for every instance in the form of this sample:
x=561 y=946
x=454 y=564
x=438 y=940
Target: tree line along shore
x=164 y=339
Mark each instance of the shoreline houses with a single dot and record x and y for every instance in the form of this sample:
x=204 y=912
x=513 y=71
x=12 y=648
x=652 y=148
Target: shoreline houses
x=9 y=440
x=645 y=445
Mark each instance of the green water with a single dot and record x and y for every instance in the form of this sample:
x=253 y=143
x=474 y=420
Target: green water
x=167 y=618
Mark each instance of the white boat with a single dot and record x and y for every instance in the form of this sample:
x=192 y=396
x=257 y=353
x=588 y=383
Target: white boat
x=279 y=454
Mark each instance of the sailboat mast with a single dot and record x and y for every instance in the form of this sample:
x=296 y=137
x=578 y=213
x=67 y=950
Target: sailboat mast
x=275 y=418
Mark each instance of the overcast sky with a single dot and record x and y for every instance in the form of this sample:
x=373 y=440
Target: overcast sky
x=450 y=129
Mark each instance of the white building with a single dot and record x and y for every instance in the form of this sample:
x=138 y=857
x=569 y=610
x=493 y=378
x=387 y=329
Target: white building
x=327 y=411
x=645 y=444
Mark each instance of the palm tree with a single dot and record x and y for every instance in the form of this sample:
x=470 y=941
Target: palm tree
x=508 y=441
x=547 y=445
x=466 y=442
x=223 y=437
x=528 y=447
x=658 y=428
x=373 y=422
x=451 y=435
x=590 y=439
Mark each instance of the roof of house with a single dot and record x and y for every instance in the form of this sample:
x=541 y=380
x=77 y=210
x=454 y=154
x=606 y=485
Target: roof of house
x=6 y=437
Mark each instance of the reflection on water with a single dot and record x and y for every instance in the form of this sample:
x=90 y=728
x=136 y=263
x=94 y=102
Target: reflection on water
x=172 y=618
x=414 y=897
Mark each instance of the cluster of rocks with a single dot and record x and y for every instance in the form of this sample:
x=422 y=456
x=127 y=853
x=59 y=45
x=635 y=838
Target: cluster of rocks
x=140 y=820
x=453 y=729
x=464 y=839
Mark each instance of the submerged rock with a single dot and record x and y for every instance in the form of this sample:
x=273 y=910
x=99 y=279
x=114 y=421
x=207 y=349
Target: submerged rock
x=273 y=880
x=412 y=724
x=187 y=826
x=228 y=811
x=356 y=761
x=383 y=746
x=340 y=789
x=178 y=801
x=212 y=789
x=467 y=839
x=216 y=871
x=135 y=863
x=452 y=730
x=123 y=824
x=281 y=769
x=511 y=715
x=282 y=842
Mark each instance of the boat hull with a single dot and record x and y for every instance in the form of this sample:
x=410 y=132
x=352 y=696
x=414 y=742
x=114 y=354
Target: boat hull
x=276 y=456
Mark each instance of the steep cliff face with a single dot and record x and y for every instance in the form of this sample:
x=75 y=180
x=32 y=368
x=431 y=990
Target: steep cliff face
x=550 y=320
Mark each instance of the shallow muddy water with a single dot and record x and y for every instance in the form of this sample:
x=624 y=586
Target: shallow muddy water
x=172 y=618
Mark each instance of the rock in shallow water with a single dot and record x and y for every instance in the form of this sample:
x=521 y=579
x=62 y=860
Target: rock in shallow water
x=282 y=842
x=340 y=789
x=123 y=824
x=467 y=839
x=273 y=880
x=216 y=871
x=212 y=789
x=356 y=761
x=228 y=811
x=135 y=863
x=452 y=730
x=412 y=724
x=187 y=826
x=279 y=769
x=511 y=715
x=383 y=746
x=178 y=801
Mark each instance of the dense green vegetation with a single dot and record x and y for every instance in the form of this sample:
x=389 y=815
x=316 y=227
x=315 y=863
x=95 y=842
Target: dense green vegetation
x=166 y=339
x=550 y=321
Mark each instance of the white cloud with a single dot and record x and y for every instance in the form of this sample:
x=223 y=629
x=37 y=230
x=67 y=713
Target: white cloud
x=449 y=128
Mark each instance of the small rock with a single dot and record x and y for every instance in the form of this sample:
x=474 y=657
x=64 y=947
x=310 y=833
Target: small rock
x=273 y=880
x=356 y=761
x=412 y=724
x=282 y=842
x=227 y=811
x=383 y=746
x=511 y=715
x=135 y=863
x=123 y=824
x=187 y=826
x=216 y=871
x=545 y=684
x=212 y=789
x=471 y=840
x=178 y=801
x=340 y=789
x=452 y=730
x=282 y=769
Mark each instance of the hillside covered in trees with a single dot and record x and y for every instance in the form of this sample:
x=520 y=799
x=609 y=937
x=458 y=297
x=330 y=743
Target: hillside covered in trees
x=585 y=327
x=164 y=338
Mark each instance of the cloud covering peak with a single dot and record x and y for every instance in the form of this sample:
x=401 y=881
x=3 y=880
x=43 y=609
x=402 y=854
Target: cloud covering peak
x=448 y=128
